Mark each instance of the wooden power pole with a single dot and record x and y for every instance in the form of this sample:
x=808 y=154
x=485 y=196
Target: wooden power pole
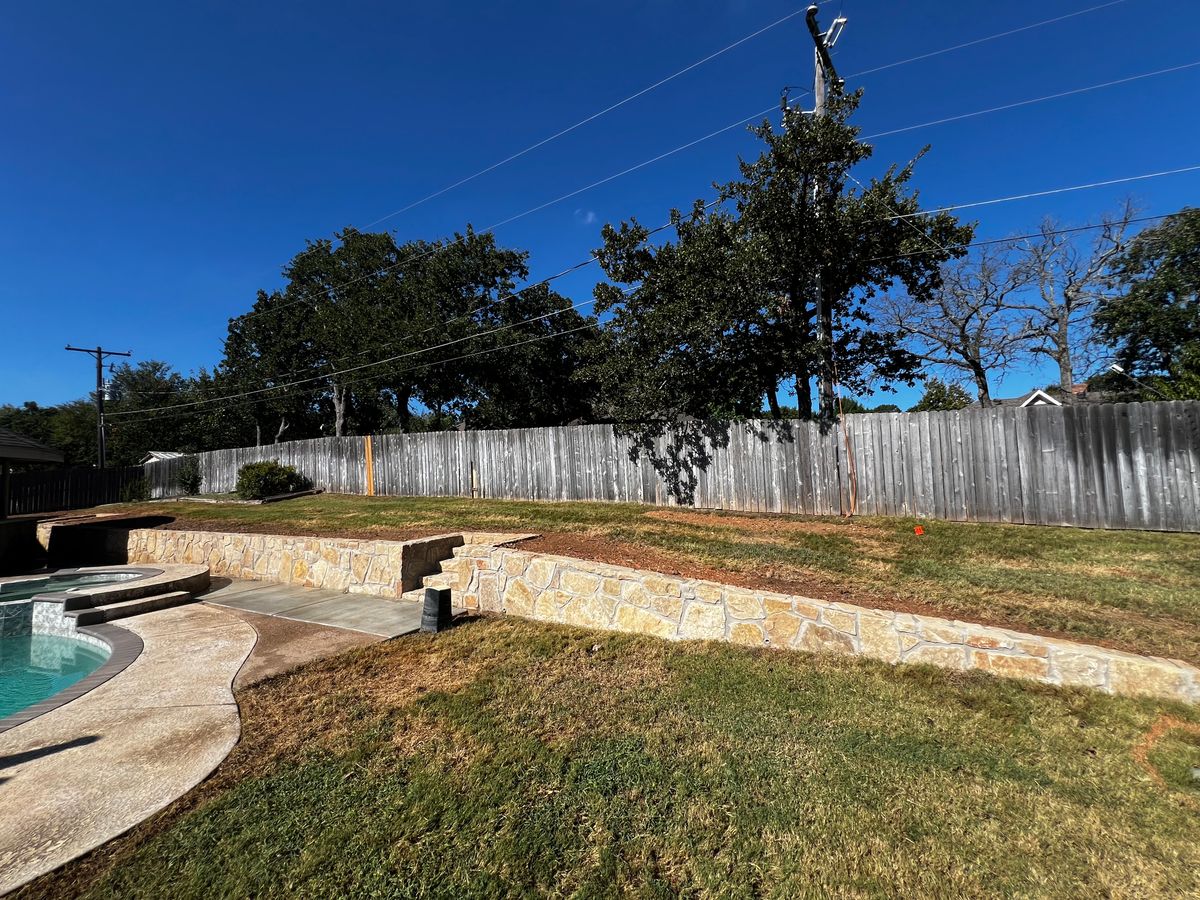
x=825 y=79
x=99 y=353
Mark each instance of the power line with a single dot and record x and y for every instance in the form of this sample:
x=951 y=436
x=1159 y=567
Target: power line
x=176 y=408
x=923 y=235
x=867 y=137
x=591 y=260
x=942 y=209
x=1018 y=237
x=984 y=40
x=369 y=365
x=1019 y=103
x=693 y=143
x=99 y=354
x=709 y=58
x=1048 y=193
x=441 y=247
x=935 y=211
x=743 y=121
x=361 y=378
x=593 y=117
x=990 y=241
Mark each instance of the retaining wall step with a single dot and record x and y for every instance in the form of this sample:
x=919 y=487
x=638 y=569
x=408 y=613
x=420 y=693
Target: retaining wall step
x=472 y=550
x=127 y=608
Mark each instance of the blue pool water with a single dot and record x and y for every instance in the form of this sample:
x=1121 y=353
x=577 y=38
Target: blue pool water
x=23 y=590
x=36 y=666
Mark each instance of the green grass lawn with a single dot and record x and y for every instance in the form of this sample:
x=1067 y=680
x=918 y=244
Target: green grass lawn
x=1138 y=591
x=511 y=758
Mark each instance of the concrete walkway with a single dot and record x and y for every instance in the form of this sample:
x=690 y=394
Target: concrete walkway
x=357 y=612
x=82 y=774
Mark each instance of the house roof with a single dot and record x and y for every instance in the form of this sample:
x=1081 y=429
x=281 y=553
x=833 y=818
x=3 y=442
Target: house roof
x=160 y=455
x=18 y=448
x=1037 y=397
x=1040 y=398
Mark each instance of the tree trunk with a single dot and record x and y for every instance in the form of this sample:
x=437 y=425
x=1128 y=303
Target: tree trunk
x=773 y=401
x=1066 y=372
x=283 y=426
x=257 y=434
x=339 y=409
x=827 y=406
x=804 y=396
x=981 y=385
x=403 y=414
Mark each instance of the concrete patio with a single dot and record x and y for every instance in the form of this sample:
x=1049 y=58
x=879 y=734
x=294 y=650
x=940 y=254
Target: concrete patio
x=357 y=612
x=81 y=774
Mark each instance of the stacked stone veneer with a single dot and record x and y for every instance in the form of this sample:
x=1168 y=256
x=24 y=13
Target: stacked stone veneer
x=594 y=595
x=381 y=568
x=42 y=617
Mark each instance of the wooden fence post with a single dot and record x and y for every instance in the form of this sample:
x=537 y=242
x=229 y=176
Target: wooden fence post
x=369 y=458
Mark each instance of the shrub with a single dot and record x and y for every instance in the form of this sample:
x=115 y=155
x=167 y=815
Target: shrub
x=256 y=481
x=188 y=477
x=135 y=491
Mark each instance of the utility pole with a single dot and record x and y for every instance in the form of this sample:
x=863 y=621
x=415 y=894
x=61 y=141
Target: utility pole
x=99 y=353
x=825 y=79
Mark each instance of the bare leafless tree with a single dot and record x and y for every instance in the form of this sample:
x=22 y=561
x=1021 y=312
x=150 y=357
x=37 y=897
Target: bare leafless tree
x=968 y=325
x=1070 y=276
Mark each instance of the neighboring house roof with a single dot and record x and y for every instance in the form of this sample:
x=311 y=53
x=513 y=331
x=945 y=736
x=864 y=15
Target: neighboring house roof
x=18 y=448
x=160 y=455
x=1039 y=398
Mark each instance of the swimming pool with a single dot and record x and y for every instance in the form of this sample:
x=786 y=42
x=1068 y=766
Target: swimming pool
x=28 y=588
x=36 y=666
x=42 y=653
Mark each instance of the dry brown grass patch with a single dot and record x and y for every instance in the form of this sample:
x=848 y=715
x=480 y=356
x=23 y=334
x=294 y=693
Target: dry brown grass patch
x=765 y=524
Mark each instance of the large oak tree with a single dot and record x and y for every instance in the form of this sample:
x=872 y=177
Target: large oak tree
x=712 y=323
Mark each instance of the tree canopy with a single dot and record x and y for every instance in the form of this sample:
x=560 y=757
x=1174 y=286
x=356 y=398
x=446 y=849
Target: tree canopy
x=1154 y=323
x=941 y=396
x=718 y=319
x=373 y=327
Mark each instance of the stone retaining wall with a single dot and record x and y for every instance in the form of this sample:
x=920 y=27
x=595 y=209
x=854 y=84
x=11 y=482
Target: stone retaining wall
x=595 y=595
x=381 y=568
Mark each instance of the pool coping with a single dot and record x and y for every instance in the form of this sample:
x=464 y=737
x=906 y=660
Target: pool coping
x=124 y=647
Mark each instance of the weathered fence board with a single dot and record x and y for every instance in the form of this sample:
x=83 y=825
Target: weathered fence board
x=1108 y=466
x=59 y=489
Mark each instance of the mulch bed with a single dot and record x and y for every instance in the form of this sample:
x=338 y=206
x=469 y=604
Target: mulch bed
x=619 y=553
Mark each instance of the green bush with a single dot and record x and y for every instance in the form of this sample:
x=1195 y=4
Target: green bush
x=135 y=491
x=256 y=481
x=188 y=477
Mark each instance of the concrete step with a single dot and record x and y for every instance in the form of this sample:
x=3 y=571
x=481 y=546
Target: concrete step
x=441 y=580
x=438 y=580
x=127 y=608
x=418 y=597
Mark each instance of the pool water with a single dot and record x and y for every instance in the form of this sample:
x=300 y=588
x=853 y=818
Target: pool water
x=36 y=666
x=23 y=590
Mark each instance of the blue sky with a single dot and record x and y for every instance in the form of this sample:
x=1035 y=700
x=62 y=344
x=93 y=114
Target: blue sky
x=159 y=163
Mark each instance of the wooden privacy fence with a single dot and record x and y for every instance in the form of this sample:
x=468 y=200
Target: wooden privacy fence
x=1134 y=465
x=55 y=489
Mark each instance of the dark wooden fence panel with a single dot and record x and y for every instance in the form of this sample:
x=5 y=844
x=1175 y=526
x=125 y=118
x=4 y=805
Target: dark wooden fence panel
x=59 y=489
x=1133 y=465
